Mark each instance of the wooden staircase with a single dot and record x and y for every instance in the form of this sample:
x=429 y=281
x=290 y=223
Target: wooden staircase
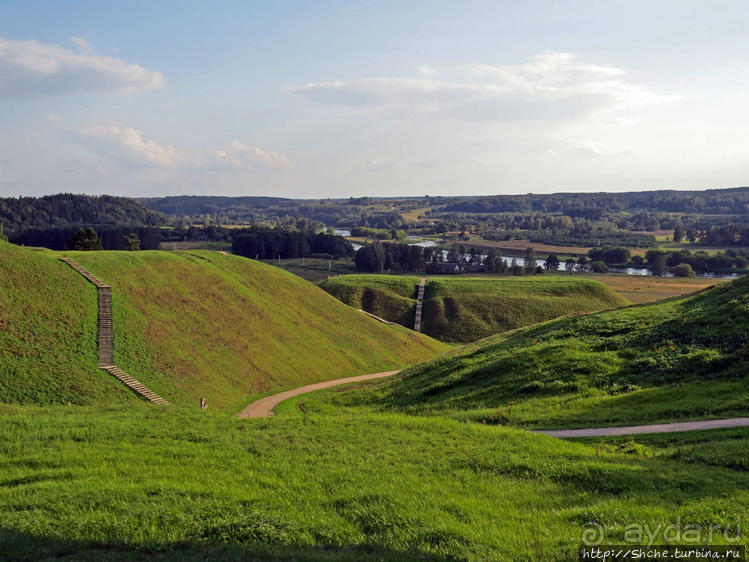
x=136 y=386
x=106 y=336
x=419 y=306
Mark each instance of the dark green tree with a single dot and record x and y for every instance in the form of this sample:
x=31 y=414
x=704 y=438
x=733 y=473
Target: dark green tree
x=679 y=234
x=530 y=260
x=658 y=264
x=551 y=263
x=683 y=270
x=85 y=240
x=132 y=242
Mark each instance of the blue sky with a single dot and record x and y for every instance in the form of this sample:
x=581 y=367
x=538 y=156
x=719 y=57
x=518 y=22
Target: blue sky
x=338 y=99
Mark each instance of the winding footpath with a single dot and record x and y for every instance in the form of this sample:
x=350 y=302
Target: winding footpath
x=652 y=428
x=263 y=408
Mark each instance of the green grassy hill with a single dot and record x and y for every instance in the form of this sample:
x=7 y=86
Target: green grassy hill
x=387 y=296
x=187 y=324
x=48 y=333
x=464 y=309
x=687 y=357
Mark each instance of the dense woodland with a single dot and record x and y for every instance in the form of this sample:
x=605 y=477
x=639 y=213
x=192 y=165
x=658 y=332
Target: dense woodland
x=65 y=209
x=273 y=211
x=713 y=201
x=271 y=244
x=112 y=237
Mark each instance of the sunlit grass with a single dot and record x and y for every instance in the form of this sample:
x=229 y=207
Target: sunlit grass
x=349 y=485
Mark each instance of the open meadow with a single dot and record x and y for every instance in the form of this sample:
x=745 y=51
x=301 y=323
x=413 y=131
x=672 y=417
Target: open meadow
x=433 y=464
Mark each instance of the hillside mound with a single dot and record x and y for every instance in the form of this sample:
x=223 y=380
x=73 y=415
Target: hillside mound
x=187 y=325
x=683 y=357
x=464 y=309
x=48 y=333
x=387 y=296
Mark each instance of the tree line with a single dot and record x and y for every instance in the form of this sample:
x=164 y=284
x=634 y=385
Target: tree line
x=67 y=210
x=377 y=257
x=110 y=237
x=712 y=201
x=659 y=261
x=274 y=243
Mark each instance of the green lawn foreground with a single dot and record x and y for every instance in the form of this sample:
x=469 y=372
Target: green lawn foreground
x=176 y=483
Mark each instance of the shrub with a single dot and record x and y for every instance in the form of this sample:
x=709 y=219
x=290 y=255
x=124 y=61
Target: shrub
x=683 y=270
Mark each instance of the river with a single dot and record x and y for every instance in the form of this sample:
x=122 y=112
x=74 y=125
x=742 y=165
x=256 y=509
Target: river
x=640 y=271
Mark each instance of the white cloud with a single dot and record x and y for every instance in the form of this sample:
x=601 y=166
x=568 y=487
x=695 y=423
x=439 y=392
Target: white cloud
x=239 y=156
x=134 y=145
x=34 y=68
x=550 y=85
x=83 y=45
x=128 y=144
x=53 y=117
x=426 y=70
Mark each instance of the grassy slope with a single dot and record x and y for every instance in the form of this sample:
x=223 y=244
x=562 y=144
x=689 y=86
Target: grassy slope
x=133 y=483
x=463 y=309
x=48 y=333
x=680 y=358
x=389 y=297
x=192 y=324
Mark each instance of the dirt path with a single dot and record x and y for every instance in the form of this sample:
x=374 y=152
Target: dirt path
x=264 y=407
x=654 y=428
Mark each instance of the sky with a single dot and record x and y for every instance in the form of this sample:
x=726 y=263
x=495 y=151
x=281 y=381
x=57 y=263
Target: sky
x=382 y=98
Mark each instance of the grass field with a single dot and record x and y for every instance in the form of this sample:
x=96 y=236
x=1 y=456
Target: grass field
x=187 y=325
x=727 y=448
x=518 y=247
x=642 y=289
x=683 y=358
x=463 y=309
x=175 y=484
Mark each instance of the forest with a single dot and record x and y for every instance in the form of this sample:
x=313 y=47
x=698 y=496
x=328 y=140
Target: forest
x=271 y=244
x=712 y=201
x=66 y=209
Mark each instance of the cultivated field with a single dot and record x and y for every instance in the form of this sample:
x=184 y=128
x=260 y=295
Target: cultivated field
x=640 y=289
x=518 y=247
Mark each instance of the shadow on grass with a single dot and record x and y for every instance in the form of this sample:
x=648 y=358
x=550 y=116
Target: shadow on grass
x=21 y=546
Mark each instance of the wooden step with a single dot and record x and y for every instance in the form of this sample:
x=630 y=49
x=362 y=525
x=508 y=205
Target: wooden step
x=106 y=336
x=135 y=385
